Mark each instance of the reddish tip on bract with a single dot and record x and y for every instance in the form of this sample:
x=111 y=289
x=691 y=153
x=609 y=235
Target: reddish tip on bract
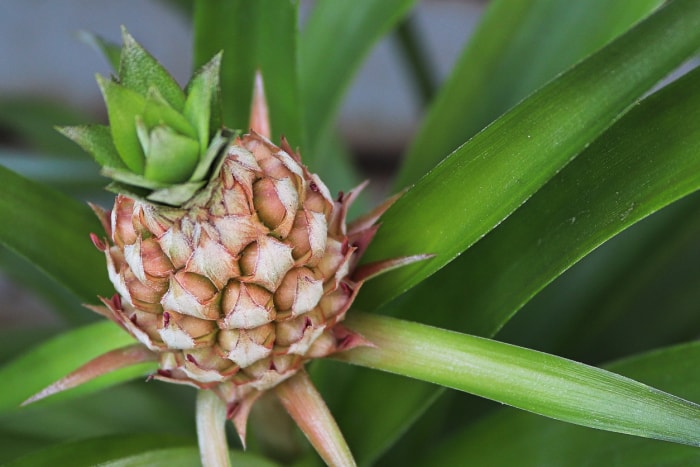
x=259 y=117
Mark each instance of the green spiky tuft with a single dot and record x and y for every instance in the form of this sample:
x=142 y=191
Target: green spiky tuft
x=162 y=141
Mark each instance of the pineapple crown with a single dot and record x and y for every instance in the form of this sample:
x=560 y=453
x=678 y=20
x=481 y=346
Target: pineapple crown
x=162 y=141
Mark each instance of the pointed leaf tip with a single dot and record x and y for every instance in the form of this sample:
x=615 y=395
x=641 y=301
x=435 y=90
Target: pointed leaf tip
x=308 y=409
x=105 y=363
x=369 y=271
x=259 y=117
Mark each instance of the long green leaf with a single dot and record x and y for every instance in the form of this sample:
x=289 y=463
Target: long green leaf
x=646 y=161
x=535 y=441
x=613 y=295
x=54 y=359
x=526 y=379
x=52 y=231
x=142 y=408
x=98 y=450
x=253 y=35
x=485 y=180
x=184 y=457
x=335 y=39
x=517 y=47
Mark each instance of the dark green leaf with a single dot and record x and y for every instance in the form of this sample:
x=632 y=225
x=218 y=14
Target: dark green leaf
x=253 y=35
x=140 y=72
x=31 y=121
x=646 y=161
x=96 y=451
x=335 y=39
x=52 y=231
x=541 y=383
x=488 y=178
x=517 y=47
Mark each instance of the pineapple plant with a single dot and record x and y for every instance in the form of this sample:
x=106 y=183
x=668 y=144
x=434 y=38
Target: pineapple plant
x=232 y=263
x=235 y=271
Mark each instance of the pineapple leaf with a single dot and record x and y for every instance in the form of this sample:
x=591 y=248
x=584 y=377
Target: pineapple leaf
x=485 y=180
x=534 y=440
x=102 y=450
x=516 y=48
x=537 y=382
x=157 y=111
x=171 y=157
x=203 y=104
x=216 y=147
x=123 y=106
x=96 y=140
x=260 y=35
x=644 y=162
x=52 y=360
x=327 y=66
x=51 y=230
x=175 y=195
x=140 y=72
x=129 y=178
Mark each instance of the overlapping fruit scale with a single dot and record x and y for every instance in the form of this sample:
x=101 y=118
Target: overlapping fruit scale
x=240 y=286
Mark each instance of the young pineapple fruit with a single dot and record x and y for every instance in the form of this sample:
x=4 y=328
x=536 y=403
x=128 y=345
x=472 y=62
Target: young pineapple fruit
x=231 y=261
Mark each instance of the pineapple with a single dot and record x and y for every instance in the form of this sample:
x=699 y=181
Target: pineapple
x=232 y=263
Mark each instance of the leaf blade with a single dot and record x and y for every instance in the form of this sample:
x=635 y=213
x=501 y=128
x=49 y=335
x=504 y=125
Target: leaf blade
x=51 y=230
x=485 y=180
x=541 y=383
x=516 y=48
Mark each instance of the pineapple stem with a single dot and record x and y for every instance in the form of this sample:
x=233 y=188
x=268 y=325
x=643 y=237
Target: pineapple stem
x=211 y=432
x=306 y=406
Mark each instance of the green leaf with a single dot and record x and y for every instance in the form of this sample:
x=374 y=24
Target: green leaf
x=91 y=452
x=541 y=383
x=96 y=140
x=123 y=106
x=535 y=441
x=140 y=72
x=327 y=65
x=184 y=457
x=253 y=35
x=54 y=359
x=517 y=47
x=52 y=231
x=170 y=158
x=644 y=162
x=158 y=112
x=485 y=180
x=203 y=104
x=32 y=121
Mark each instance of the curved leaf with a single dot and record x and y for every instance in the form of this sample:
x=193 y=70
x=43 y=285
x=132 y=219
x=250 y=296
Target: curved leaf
x=545 y=384
x=98 y=450
x=253 y=35
x=335 y=38
x=535 y=441
x=517 y=47
x=646 y=161
x=52 y=231
x=485 y=180
x=184 y=457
